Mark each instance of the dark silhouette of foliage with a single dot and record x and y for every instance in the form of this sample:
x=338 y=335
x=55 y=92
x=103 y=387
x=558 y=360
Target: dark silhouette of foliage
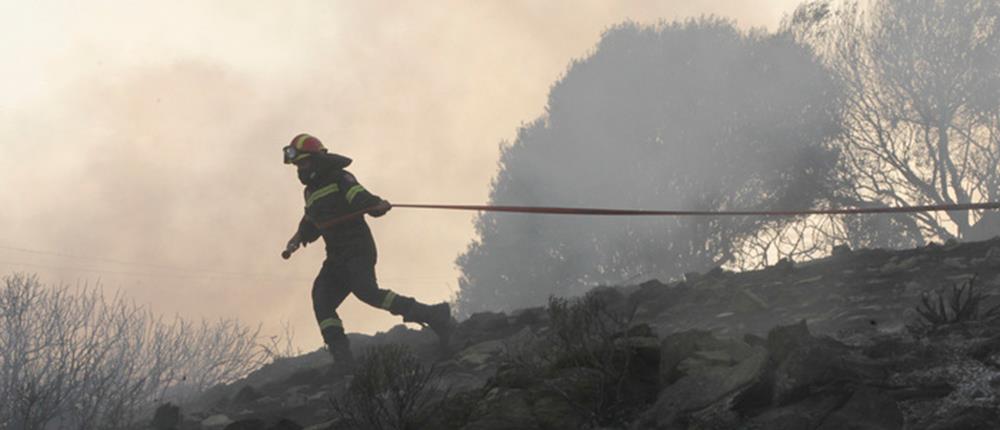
x=391 y=389
x=961 y=304
x=585 y=347
x=694 y=115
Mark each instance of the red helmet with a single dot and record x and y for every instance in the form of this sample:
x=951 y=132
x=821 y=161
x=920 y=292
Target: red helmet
x=301 y=147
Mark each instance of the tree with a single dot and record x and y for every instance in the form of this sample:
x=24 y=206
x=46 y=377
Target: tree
x=693 y=115
x=922 y=96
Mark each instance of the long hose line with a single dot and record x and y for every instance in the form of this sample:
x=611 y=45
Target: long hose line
x=551 y=210
x=643 y=212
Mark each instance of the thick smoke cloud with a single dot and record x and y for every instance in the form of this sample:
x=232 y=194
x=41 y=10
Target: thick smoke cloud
x=694 y=115
x=149 y=133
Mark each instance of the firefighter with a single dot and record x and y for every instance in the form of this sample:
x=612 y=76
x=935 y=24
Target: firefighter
x=332 y=193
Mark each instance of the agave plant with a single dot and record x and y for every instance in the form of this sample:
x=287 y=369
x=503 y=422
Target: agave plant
x=961 y=304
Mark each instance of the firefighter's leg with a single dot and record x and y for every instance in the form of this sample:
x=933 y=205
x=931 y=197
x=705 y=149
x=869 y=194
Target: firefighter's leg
x=361 y=271
x=329 y=291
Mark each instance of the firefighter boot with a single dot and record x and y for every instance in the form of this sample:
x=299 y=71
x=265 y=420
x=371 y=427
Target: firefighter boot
x=437 y=317
x=339 y=347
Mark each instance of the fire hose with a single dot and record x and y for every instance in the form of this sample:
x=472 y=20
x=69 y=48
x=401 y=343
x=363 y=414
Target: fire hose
x=553 y=210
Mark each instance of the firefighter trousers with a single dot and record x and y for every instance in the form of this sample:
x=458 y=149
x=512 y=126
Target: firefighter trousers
x=351 y=270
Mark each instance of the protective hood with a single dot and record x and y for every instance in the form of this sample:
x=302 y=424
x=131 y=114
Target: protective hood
x=335 y=161
x=322 y=165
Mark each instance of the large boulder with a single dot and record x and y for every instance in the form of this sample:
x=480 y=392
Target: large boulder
x=714 y=369
x=867 y=409
x=806 y=414
x=216 y=422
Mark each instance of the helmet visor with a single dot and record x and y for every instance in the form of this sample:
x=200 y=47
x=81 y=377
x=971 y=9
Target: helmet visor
x=292 y=155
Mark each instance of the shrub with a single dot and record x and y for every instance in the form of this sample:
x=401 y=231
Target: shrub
x=391 y=389
x=584 y=333
x=961 y=304
x=77 y=359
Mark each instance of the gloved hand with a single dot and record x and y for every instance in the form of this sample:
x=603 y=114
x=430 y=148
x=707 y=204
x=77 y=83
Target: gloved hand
x=293 y=244
x=380 y=209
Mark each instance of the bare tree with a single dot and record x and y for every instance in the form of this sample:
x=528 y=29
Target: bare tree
x=81 y=360
x=922 y=96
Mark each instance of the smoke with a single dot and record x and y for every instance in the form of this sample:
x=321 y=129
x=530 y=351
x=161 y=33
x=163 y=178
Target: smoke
x=150 y=134
x=695 y=115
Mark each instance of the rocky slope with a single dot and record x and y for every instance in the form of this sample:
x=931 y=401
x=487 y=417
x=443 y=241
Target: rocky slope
x=827 y=344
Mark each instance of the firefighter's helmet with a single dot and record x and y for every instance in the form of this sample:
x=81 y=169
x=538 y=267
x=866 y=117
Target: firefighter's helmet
x=302 y=146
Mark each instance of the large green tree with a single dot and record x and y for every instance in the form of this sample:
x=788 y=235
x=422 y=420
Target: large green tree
x=693 y=115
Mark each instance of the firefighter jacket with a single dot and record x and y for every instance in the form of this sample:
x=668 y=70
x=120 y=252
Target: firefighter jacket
x=336 y=193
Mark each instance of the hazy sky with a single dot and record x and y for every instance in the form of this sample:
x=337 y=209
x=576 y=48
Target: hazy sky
x=141 y=140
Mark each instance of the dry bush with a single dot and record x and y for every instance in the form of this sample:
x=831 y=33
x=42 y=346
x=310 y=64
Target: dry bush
x=282 y=346
x=961 y=304
x=583 y=333
x=391 y=389
x=77 y=359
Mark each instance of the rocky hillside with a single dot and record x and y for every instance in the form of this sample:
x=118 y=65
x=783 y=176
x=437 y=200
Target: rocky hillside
x=871 y=339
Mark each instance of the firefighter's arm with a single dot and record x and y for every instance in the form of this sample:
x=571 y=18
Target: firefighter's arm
x=306 y=233
x=359 y=199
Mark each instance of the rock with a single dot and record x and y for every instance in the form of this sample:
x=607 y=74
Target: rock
x=530 y=316
x=819 y=366
x=923 y=392
x=307 y=377
x=216 y=422
x=867 y=409
x=480 y=353
x=166 y=417
x=248 y=424
x=755 y=298
x=891 y=267
x=504 y=409
x=295 y=400
x=992 y=256
x=784 y=266
x=841 y=251
x=911 y=263
x=328 y=425
x=784 y=339
x=267 y=402
x=700 y=389
x=692 y=277
x=801 y=366
x=246 y=395
x=806 y=414
x=955 y=262
x=716 y=272
x=971 y=418
x=285 y=424
x=485 y=321
x=674 y=349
